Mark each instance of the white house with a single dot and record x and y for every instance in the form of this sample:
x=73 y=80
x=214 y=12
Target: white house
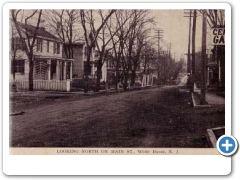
x=51 y=70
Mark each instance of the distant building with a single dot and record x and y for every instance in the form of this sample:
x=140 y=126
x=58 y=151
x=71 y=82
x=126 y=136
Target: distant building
x=80 y=62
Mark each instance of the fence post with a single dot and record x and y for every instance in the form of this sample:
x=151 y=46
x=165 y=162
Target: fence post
x=68 y=85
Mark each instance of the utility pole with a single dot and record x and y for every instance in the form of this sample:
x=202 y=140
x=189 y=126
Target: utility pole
x=204 y=59
x=193 y=49
x=188 y=14
x=169 y=53
x=159 y=35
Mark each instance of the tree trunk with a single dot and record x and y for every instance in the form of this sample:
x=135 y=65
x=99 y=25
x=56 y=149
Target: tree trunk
x=14 y=68
x=30 y=76
x=117 y=75
x=125 y=83
x=88 y=70
x=99 y=74
x=133 y=77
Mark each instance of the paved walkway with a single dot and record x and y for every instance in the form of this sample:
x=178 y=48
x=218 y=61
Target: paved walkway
x=214 y=99
x=211 y=98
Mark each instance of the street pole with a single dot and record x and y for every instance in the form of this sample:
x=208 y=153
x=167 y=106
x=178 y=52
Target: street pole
x=159 y=36
x=188 y=14
x=193 y=49
x=204 y=36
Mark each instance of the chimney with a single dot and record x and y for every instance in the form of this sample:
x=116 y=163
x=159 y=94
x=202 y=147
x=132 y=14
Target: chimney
x=42 y=24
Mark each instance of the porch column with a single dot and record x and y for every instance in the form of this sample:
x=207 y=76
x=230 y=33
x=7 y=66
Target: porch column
x=71 y=70
x=49 y=69
x=64 y=70
x=57 y=70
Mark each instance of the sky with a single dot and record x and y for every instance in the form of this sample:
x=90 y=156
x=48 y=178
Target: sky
x=176 y=30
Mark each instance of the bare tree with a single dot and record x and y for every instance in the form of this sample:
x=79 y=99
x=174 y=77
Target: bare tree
x=27 y=38
x=63 y=23
x=91 y=34
x=120 y=23
x=134 y=44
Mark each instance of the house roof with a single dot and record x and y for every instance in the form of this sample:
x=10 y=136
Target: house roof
x=42 y=32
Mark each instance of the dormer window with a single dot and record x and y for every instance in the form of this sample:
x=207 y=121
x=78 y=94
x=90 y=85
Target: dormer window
x=39 y=45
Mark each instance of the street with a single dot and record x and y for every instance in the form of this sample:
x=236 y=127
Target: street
x=156 y=117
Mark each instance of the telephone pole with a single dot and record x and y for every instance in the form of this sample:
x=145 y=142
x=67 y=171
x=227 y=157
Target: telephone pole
x=188 y=14
x=193 y=49
x=204 y=36
x=169 y=53
x=158 y=35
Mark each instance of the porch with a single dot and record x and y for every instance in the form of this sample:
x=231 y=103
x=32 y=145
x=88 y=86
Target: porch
x=51 y=74
x=52 y=69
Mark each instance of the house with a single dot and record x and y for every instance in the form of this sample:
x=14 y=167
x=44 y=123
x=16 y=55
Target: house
x=214 y=71
x=51 y=71
x=79 y=66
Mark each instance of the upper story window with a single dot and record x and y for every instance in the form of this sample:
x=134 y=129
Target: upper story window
x=17 y=44
x=18 y=66
x=56 y=48
x=39 y=44
x=48 y=46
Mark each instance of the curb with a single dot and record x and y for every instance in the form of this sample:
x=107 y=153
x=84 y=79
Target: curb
x=211 y=136
x=195 y=105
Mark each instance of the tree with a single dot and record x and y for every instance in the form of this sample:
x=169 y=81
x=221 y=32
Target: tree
x=63 y=23
x=27 y=38
x=91 y=36
x=122 y=25
x=102 y=42
x=15 y=46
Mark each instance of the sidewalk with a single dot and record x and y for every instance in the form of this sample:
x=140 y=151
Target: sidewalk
x=214 y=99
x=211 y=98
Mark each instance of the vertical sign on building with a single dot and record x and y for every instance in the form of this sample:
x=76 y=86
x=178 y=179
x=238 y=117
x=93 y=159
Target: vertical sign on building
x=218 y=36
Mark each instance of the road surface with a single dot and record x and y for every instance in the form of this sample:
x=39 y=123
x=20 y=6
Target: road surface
x=156 y=117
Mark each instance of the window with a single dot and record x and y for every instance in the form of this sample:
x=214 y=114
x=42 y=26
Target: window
x=39 y=45
x=54 y=48
x=48 y=46
x=17 y=44
x=58 y=48
x=18 y=66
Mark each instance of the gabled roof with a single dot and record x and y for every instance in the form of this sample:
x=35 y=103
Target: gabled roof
x=42 y=32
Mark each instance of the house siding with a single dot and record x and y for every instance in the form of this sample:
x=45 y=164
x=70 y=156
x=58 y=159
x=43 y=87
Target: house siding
x=78 y=56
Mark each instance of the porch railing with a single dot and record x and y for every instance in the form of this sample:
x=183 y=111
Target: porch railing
x=51 y=85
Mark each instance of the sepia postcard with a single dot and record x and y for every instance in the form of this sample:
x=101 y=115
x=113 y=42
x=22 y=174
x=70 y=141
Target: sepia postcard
x=116 y=81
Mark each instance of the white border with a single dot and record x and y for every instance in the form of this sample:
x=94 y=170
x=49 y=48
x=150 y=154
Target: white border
x=114 y=165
